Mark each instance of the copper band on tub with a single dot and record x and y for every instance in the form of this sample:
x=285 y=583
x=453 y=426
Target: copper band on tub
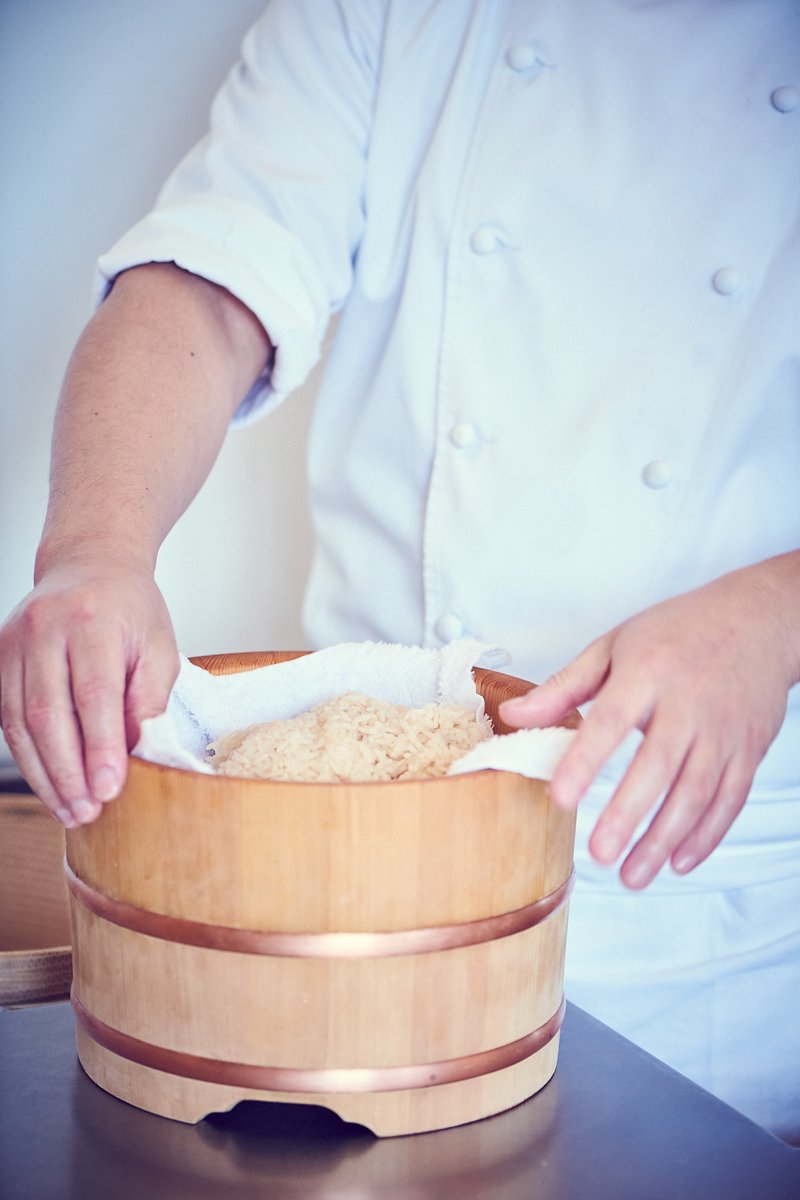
x=316 y=945
x=312 y=1079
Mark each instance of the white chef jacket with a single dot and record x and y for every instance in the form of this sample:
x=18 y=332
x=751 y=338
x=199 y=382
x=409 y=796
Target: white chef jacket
x=564 y=239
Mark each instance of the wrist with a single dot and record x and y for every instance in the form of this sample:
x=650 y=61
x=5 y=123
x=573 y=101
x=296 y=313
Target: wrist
x=100 y=552
x=779 y=580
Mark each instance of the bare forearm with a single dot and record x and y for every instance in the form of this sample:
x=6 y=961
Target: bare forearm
x=146 y=401
x=90 y=653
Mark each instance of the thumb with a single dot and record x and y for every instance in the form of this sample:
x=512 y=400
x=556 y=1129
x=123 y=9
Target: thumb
x=552 y=700
x=149 y=689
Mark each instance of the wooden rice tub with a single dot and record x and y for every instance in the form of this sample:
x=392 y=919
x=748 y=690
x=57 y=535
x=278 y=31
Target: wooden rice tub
x=393 y=951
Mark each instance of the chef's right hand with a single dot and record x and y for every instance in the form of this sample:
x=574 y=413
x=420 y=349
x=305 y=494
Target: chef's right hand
x=84 y=659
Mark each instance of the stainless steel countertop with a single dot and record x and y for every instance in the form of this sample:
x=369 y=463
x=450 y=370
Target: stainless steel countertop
x=613 y=1124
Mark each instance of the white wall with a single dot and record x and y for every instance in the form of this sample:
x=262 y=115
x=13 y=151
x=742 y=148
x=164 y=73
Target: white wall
x=98 y=99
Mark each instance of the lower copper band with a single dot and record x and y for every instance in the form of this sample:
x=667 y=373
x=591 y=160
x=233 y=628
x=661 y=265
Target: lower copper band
x=316 y=945
x=306 y=1079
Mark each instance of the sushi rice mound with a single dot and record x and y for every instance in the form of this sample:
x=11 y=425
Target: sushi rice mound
x=352 y=739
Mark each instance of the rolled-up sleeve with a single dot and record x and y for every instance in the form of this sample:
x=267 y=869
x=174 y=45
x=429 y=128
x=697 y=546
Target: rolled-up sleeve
x=270 y=203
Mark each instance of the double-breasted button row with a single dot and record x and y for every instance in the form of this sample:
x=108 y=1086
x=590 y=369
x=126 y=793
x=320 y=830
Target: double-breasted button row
x=524 y=58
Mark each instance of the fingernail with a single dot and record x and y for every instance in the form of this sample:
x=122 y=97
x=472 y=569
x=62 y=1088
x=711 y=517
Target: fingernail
x=65 y=817
x=683 y=863
x=82 y=810
x=565 y=794
x=606 y=846
x=105 y=783
x=638 y=874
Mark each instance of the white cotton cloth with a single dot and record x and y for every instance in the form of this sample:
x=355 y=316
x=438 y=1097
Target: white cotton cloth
x=204 y=707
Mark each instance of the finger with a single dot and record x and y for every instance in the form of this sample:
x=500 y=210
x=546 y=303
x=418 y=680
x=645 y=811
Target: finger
x=149 y=688
x=654 y=769
x=715 y=822
x=51 y=738
x=606 y=725
x=564 y=691
x=20 y=743
x=97 y=675
x=692 y=795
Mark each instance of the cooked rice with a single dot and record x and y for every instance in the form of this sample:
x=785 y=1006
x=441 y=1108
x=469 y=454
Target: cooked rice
x=352 y=739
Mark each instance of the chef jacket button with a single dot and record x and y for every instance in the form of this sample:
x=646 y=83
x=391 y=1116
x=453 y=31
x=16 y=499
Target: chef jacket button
x=785 y=98
x=522 y=57
x=657 y=474
x=726 y=281
x=449 y=627
x=484 y=240
x=464 y=435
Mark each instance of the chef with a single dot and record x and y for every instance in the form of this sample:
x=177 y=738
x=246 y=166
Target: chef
x=561 y=413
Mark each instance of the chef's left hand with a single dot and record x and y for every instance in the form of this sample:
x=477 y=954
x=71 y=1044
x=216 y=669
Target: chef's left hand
x=705 y=677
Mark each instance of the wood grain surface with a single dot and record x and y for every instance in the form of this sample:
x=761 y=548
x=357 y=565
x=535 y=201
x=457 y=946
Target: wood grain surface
x=323 y=858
